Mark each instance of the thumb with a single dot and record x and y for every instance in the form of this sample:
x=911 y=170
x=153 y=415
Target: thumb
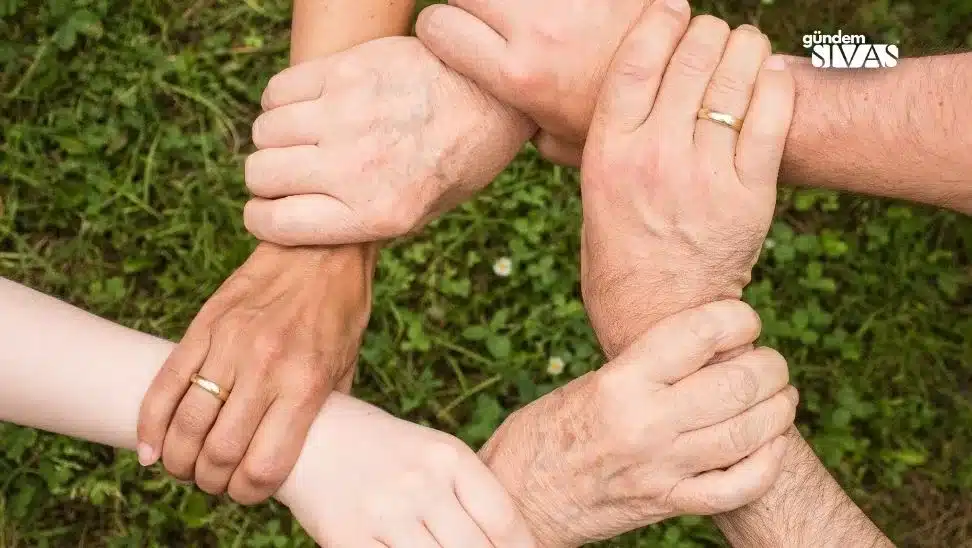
x=305 y=219
x=681 y=344
x=466 y=44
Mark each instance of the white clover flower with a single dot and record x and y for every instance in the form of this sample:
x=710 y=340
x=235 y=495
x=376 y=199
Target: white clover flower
x=503 y=267
x=555 y=365
x=770 y=243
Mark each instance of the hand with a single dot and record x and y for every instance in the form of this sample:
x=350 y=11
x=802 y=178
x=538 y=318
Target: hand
x=676 y=208
x=647 y=436
x=370 y=144
x=280 y=334
x=546 y=58
x=368 y=479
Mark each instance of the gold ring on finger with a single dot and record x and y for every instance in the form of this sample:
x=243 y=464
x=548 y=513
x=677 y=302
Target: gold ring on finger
x=209 y=386
x=727 y=120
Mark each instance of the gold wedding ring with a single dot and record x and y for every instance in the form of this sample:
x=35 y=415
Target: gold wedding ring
x=727 y=120
x=209 y=386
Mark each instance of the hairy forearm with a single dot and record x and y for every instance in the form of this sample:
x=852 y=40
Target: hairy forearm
x=805 y=508
x=901 y=132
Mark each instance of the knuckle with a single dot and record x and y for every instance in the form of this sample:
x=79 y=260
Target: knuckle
x=636 y=70
x=447 y=454
x=699 y=53
x=268 y=346
x=264 y=472
x=612 y=168
x=744 y=436
x=609 y=384
x=723 y=86
x=414 y=481
x=704 y=328
x=695 y=59
x=223 y=453
x=309 y=381
x=739 y=386
x=393 y=218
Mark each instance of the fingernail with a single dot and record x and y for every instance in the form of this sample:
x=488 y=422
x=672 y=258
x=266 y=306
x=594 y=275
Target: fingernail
x=146 y=455
x=677 y=5
x=775 y=62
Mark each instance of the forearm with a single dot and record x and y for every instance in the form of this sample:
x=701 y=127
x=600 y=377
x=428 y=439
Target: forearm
x=322 y=27
x=901 y=132
x=805 y=508
x=66 y=371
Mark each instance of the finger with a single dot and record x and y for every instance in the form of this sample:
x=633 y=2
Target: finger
x=274 y=449
x=559 y=151
x=722 y=391
x=278 y=172
x=688 y=74
x=495 y=13
x=466 y=44
x=167 y=389
x=491 y=507
x=299 y=83
x=198 y=409
x=450 y=525
x=410 y=535
x=725 y=490
x=681 y=344
x=760 y=147
x=729 y=442
x=629 y=89
x=230 y=436
x=290 y=125
x=730 y=91
x=308 y=219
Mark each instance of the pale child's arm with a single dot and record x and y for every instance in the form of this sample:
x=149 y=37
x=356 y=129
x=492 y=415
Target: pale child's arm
x=66 y=371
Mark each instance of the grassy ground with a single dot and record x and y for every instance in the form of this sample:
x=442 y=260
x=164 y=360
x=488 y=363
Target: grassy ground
x=124 y=125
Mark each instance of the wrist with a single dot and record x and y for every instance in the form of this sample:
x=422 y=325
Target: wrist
x=644 y=307
x=538 y=512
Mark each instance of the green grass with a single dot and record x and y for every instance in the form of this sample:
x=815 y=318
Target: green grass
x=124 y=128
